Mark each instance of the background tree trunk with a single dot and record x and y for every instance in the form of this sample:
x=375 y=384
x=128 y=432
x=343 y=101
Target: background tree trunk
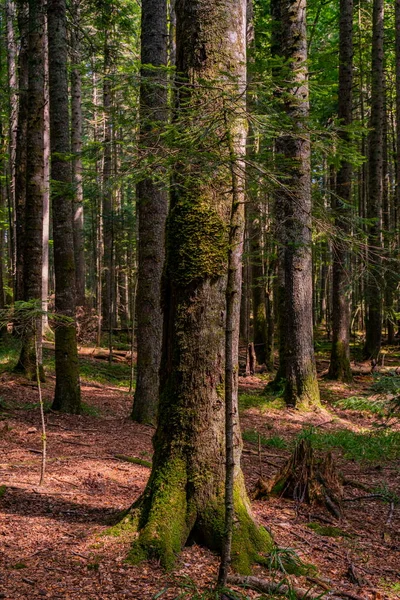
x=152 y=204
x=294 y=196
x=374 y=202
x=33 y=235
x=76 y=148
x=67 y=392
x=339 y=367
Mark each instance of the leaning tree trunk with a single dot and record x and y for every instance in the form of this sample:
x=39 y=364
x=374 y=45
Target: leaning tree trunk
x=294 y=198
x=152 y=203
x=185 y=493
x=33 y=234
x=375 y=188
x=67 y=395
x=339 y=367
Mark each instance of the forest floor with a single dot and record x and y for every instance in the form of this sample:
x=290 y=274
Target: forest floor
x=54 y=539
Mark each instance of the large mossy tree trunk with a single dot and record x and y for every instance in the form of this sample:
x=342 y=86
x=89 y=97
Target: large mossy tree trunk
x=185 y=495
x=67 y=395
x=152 y=206
x=293 y=205
x=375 y=189
x=339 y=367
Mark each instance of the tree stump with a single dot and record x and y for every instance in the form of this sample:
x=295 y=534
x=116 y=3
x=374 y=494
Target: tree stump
x=305 y=478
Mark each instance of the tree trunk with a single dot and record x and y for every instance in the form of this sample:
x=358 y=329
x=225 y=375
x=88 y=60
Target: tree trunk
x=33 y=234
x=46 y=192
x=107 y=192
x=13 y=118
x=339 y=367
x=76 y=148
x=152 y=203
x=67 y=396
x=374 y=203
x=185 y=493
x=294 y=200
x=21 y=148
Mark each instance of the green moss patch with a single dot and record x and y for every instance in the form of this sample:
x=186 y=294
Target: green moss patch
x=327 y=530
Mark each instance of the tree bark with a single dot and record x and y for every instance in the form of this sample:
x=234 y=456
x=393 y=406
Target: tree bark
x=76 y=148
x=294 y=201
x=13 y=117
x=152 y=204
x=185 y=493
x=375 y=187
x=33 y=234
x=67 y=396
x=339 y=367
x=21 y=148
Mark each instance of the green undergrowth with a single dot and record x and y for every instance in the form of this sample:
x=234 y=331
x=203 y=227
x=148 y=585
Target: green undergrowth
x=286 y=560
x=275 y=441
x=375 y=406
x=91 y=370
x=260 y=400
x=369 y=446
x=115 y=373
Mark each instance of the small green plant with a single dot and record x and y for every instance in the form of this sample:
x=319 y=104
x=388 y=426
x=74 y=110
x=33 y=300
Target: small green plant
x=286 y=560
x=327 y=530
x=275 y=441
x=90 y=411
x=19 y=565
x=376 y=406
x=3 y=489
x=387 y=494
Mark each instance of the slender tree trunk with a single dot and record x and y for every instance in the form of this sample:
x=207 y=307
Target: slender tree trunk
x=21 y=148
x=33 y=234
x=397 y=194
x=374 y=204
x=46 y=191
x=339 y=367
x=13 y=121
x=76 y=148
x=185 y=493
x=67 y=393
x=152 y=201
x=107 y=192
x=294 y=196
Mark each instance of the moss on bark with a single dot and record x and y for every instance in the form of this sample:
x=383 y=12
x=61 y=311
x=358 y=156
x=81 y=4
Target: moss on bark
x=339 y=367
x=166 y=517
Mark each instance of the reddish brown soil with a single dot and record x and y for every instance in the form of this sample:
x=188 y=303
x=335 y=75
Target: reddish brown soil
x=53 y=539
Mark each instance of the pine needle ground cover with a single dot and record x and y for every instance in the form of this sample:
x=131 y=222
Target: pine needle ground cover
x=98 y=464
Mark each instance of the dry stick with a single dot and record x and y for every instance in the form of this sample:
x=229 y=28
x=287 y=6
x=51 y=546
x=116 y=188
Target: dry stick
x=390 y=516
x=259 y=456
x=44 y=439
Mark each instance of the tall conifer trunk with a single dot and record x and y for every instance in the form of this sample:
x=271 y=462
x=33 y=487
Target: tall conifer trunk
x=185 y=493
x=293 y=205
x=21 y=148
x=76 y=147
x=152 y=206
x=339 y=367
x=33 y=232
x=67 y=393
x=375 y=188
